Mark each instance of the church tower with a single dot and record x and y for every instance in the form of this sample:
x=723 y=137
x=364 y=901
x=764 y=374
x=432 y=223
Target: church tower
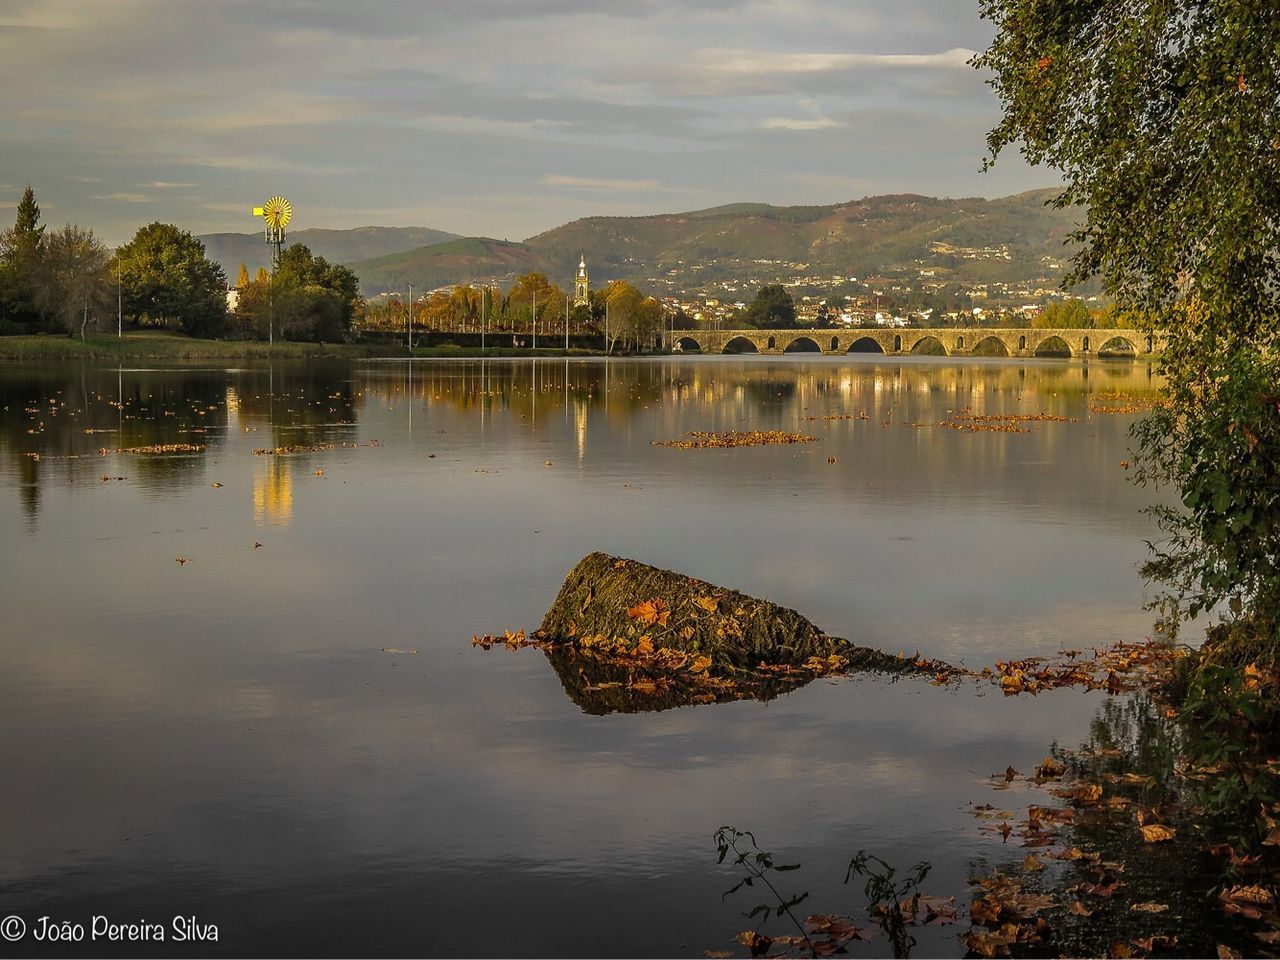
x=581 y=284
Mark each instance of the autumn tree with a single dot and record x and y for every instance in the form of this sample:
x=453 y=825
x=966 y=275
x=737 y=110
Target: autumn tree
x=1063 y=315
x=242 y=278
x=72 y=282
x=167 y=281
x=1161 y=119
x=307 y=299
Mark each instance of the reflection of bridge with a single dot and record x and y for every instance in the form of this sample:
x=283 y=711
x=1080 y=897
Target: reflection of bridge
x=951 y=342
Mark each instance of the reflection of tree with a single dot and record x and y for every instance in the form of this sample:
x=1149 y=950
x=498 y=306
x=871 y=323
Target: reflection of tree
x=59 y=417
x=1136 y=756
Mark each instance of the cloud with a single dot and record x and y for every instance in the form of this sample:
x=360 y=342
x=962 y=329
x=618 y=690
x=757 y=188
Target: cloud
x=755 y=62
x=167 y=184
x=124 y=197
x=597 y=183
x=789 y=123
x=717 y=71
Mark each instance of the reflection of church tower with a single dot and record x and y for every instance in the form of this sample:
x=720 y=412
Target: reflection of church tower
x=581 y=285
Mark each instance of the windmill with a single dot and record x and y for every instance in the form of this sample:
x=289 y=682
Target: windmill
x=277 y=213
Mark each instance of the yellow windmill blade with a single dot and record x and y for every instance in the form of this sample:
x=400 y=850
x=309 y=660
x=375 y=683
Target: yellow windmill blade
x=278 y=212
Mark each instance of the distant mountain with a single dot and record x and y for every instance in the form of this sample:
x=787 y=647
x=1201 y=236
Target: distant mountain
x=468 y=259
x=1006 y=239
x=341 y=246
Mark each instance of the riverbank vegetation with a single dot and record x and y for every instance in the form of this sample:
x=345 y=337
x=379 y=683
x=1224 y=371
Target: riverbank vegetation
x=1161 y=123
x=161 y=345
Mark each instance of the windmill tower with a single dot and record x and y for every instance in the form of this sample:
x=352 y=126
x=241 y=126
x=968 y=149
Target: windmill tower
x=581 y=284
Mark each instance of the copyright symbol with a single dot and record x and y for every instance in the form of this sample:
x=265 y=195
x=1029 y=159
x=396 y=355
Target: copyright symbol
x=13 y=928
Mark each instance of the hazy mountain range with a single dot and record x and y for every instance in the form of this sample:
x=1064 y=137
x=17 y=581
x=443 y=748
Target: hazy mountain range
x=861 y=237
x=342 y=246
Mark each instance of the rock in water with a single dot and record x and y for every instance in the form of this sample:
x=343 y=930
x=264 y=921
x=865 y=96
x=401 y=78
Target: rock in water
x=613 y=599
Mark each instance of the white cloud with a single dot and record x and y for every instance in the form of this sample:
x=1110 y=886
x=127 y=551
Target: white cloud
x=124 y=197
x=598 y=183
x=752 y=63
x=792 y=123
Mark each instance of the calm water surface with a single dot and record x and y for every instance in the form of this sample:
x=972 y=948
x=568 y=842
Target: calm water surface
x=227 y=738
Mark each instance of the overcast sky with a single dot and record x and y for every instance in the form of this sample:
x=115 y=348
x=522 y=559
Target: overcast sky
x=494 y=117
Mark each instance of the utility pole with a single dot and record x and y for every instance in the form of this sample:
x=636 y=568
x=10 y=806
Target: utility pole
x=484 y=317
x=119 y=302
x=535 y=318
x=411 y=319
x=566 y=324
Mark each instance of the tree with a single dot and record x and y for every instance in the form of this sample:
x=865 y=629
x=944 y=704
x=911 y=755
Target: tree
x=521 y=298
x=242 y=278
x=772 y=308
x=1160 y=118
x=166 y=280
x=307 y=299
x=20 y=253
x=72 y=282
x=1065 y=315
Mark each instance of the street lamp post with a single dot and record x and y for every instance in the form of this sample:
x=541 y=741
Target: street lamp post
x=410 y=320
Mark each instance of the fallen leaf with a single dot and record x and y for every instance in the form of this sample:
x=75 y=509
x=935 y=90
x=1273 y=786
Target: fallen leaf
x=1155 y=833
x=1149 y=907
x=649 y=613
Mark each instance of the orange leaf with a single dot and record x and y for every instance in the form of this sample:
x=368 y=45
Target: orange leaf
x=1155 y=833
x=649 y=613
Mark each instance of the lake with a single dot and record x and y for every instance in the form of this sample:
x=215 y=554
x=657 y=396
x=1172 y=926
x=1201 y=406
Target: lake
x=228 y=737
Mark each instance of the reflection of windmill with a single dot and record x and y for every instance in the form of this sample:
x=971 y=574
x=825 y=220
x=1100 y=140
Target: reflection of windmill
x=277 y=213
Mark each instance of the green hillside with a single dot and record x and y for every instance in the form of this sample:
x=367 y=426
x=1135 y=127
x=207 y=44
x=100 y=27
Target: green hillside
x=339 y=246
x=458 y=261
x=858 y=238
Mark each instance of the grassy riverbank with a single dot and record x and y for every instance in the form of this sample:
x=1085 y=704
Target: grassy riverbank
x=169 y=346
x=159 y=345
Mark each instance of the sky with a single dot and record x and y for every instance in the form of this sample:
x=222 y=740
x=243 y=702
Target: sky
x=500 y=118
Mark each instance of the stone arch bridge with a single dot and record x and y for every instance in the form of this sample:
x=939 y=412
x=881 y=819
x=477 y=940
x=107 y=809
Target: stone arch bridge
x=951 y=342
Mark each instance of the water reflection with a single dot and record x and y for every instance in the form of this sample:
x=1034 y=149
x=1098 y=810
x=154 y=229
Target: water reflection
x=600 y=688
x=211 y=737
x=62 y=423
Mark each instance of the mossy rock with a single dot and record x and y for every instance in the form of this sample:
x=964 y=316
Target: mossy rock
x=615 y=600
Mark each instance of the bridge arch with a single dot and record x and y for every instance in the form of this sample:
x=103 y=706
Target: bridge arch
x=803 y=345
x=897 y=343
x=993 y=346
x=1022 y=342
x=928 y=347
x=1053 y=346
x=686 y=344
x=865 y=345
x=740 y=344
x=772 y=343
x=1118 y=347
x=835 y=344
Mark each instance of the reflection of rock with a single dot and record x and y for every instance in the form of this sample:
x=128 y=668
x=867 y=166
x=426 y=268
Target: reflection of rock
x=600 y=687
x=602 y=594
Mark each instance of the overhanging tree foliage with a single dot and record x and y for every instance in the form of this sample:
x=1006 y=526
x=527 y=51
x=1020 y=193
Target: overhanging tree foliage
x=1163 y=118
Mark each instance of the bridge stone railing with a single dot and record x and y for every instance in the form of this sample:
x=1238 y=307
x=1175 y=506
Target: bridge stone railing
x=954 y=341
